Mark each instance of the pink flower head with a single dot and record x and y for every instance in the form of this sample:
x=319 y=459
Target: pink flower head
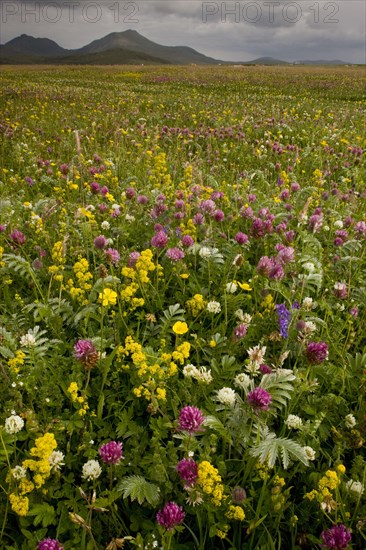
x=49 y=544
x=336 y=538
x=112 y=256
x=187 y=240
x=17 y=237
x=175 y=254
x=190 y=419
x=159 y=240
x=259 y=398
x=170 y=516
x=316 y=352
x=132 y=258
x=100 y=242
x=219 y=215
x=241 y=238
x=111 y=453
x=340 y=291
x=130 y=192
x=240 y=331
x=187 y=468
x=85 y=352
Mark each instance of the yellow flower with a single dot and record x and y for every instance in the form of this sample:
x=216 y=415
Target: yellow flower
x=19 y=505
x=108 y=297
x=341 y=468
x=180 y=327
x=235 y=512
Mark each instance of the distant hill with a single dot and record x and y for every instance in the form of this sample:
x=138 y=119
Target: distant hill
x=30 y=46
x=127 y=47
x=120 y=48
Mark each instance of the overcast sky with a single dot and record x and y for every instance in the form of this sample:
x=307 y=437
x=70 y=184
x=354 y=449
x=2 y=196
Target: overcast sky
x=227 y=30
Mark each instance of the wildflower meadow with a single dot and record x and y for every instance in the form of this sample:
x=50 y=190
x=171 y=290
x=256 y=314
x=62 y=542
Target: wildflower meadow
x=182 y=308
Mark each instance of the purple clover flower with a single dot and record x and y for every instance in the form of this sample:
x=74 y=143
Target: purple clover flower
x=100 y=242
x=336 y=538
x=240 y=331
x=112 y=256
x=284 y=317
x=170 y=516
x=111 y=453
x=159 y=240
x=190 y=419
x=132 y=258
x=316 y=352
x=259 y=398
x=17 y=237
x=187 y=469
x=187 y=240
x=175 y=254
x=49 y=544
x=85 y=352
x=241 y=238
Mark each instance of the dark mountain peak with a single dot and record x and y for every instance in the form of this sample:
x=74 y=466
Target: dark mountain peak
x=28 y=45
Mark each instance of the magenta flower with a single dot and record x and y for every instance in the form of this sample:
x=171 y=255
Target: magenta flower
x=170 y=516
x=132 y=258
x=187 y=240
x=130 y=192
x=112 y=256
x=340 y=291
x=100 y=242
x=17 y=237
x=259 y=398
x=85 y=352
x=265 y=369
x=159 y=240
x=94 y=187
x=49 y=544
x=316 y=352
x=190 y=419
x=336 y=538
x=241 y=238
x=219 y=215
x=187 y=468
x=240 y=331
x=175 y=254
x=111 y=453
x=142 y=199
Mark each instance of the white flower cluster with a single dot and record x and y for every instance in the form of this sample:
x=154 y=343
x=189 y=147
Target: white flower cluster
x=201 y=374
x=91 y=470
x=27 y=340
x=242 y=380
x=256 y=357
x=18 y=472
x=355 y=487
x=350 y=421
x=226 y=396
x=56 y=460
x=207 y=252
x=293 y=421
x=310 y=453
x=231 y=287
x=13 y=424
x=243 y=317
x=213 y=307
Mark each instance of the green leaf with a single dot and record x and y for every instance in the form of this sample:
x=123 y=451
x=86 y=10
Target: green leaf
x=43 y=514
x=272 y=447
x=137 y=488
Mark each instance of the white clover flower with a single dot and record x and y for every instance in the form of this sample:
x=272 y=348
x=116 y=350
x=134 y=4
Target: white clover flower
x=226 y=396
x=203 y=375
x=338 y=224
x=355 y=487
x=307 y=303
x=105 y=225
x=243 y=317
x=309 y=266
x=293 y=421
x=27 y=340
x=91 y=470
x=13 y=424
x=115 y=207
x=18 y=472
x=56 y=460
x=242 y=380
x=253 y=368
x=129 y=218
x=256 y=354
x=190 y=371
x=350 y=421
x=206 y=251
x=231 y=287
x=213 y=307
x=310 y=453
x=309 y=328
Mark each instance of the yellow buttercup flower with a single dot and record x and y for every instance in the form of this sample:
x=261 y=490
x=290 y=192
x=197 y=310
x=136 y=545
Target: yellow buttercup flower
x=180 y=327
x=108 y=297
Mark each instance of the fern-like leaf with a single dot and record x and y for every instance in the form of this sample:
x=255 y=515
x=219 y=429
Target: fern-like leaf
x=273 y=447
x=137 y=488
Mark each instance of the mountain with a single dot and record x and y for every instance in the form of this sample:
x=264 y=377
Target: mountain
x=27 y=45
x=266 y=61
x=120 y=48
x=321 y=62
x=132 y=40
x=127 y=47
